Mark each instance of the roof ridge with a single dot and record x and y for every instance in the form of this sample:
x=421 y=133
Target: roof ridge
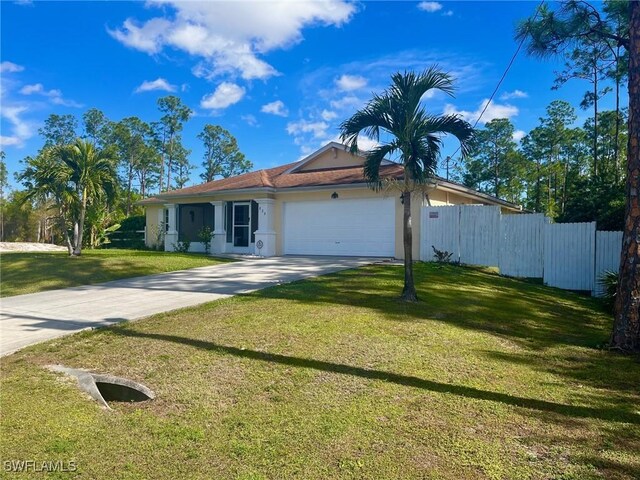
x=264 y=178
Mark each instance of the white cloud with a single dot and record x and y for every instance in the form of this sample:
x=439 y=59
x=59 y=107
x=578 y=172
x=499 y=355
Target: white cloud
x=494 y=110
x=54 y=95
x=328 y=115
x=365 y=143
x=317 y=129
x=227 y=36
x=251 y=120
x=12 y=141
x=157 y=84
x=10 y=67
x=348 y=83
x=30 y=89
x=430 y=6
x=518 y=135
x=225 y=95
x=275 y=108
x=346 y=102
x=448 y=13
x=147 y=38
x=21 y=129
x=514 y=94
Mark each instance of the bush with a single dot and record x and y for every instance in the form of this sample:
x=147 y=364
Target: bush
x=204 y=235
x=183 y=245
x=609 y=282
x=133 y=224
x=441 y=256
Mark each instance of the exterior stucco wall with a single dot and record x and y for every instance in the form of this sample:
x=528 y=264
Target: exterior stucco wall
x=152 y=213
x=333 y=158
x=435 y=197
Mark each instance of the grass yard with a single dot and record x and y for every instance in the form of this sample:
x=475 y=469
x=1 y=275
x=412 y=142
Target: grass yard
x=37 y=271
x=333 y=377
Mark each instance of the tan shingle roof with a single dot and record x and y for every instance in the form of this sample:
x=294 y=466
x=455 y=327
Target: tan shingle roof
x=279 y=178
x=285 y=176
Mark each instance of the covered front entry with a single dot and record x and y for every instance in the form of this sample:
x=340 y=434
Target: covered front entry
x=238 y=226
x=241 y=223
x=349 y=227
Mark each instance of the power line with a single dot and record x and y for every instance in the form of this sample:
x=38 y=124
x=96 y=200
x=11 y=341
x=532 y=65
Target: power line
x=495 y=90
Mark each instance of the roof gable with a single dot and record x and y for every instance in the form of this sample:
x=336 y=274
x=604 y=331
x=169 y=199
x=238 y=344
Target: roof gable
x=332 y=165
x=332 y=155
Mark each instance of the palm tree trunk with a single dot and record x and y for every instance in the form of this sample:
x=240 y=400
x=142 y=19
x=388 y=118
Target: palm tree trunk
x=538 y=187
x=80 y=226
x=169 y=162
x=595 y=124
x=129 y=182
x=564 y=184
x=626 y=324
x=409 y=291
x=616 y=147
x=69 y=244
x=162 y=156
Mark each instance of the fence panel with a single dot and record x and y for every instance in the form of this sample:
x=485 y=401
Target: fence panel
x=440 y=229
x=608 y=245
x=522 y=245
x=479 y=235
x=569 y=255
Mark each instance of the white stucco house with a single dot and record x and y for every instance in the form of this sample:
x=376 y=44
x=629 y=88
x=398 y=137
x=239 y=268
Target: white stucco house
x=320 y=205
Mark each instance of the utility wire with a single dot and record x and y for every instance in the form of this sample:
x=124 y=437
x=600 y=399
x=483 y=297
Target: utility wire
x=513 y=58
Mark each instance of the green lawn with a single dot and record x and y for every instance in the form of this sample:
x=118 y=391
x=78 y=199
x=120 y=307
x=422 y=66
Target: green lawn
x=34 y=272
x=333 y=377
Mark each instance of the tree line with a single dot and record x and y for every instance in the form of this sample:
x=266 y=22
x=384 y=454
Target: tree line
x=570 y=173
x=577 y=30
x=551 y=170
x=90 y=172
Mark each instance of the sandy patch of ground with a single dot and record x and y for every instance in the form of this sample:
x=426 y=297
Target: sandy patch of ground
x=30 y=247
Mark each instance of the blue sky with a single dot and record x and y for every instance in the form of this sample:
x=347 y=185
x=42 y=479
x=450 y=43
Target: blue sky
x=280 y=76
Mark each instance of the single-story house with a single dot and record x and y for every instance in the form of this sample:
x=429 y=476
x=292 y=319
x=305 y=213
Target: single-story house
x=320 y=205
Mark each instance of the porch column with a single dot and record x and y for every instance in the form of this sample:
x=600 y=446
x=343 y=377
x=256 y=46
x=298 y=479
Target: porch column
x=171 y=236
x=158 y=239
x=219 y=242
x=265 y=235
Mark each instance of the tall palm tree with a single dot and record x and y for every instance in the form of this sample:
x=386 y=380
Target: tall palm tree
x=93 y=178
x=414 y=136
x=72 y=177
x=46 y=179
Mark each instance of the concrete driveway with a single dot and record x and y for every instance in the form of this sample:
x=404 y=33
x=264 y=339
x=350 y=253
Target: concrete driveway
x=36 y=317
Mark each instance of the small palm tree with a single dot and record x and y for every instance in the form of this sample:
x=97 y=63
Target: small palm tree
x=93 y=177
x=46 y=179
x=72 y=177
x=415 y=137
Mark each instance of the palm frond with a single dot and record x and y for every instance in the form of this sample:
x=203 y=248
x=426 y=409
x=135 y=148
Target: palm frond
x=417 y=136
x=450 y=125
x=372 y=164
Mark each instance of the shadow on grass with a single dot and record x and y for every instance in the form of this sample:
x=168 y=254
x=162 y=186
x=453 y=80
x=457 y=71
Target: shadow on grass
x=615 y=415
x=39 y=271
x=533 y=315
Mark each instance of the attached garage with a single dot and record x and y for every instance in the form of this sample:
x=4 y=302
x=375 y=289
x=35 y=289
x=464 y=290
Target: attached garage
x=343 y=227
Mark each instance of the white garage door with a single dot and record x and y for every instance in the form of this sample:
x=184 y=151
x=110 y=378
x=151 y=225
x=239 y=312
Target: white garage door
x=358 y=227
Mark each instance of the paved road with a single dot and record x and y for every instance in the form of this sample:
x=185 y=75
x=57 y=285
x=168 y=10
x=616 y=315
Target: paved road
x=36 y=317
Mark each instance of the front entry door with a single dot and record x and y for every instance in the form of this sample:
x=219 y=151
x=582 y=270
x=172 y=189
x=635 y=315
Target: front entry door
x=241 y=224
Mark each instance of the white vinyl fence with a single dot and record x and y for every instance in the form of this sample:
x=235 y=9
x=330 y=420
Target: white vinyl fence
x=571 y=256
x=608 y=245
x=521 y=245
